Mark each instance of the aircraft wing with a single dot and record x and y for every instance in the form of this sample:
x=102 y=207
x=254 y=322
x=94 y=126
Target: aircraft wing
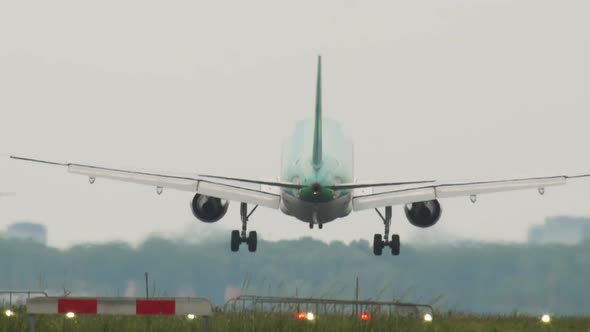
x=369 y=200
x=262 y=195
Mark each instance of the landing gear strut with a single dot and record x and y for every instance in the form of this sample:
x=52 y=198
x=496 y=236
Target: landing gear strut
x=382 y=241
x=238 y=237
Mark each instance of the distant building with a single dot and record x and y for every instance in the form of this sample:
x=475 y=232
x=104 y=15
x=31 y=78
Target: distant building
x=27 y=230
x=563 y=230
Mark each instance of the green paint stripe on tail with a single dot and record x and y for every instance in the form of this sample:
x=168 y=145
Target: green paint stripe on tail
x=317 y=133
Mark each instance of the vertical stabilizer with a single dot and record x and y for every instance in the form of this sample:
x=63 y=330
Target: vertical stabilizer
x=317 y=131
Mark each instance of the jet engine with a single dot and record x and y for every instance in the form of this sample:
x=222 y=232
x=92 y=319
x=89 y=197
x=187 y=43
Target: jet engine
x=423 y=214
x=208 y=209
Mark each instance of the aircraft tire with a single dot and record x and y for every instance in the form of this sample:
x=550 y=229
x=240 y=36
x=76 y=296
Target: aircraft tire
x=377 y=244
x=395 y=245
x=252 y=241
x=235 y=241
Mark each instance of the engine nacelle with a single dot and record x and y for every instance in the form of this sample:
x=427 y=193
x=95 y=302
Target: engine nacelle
x=423 y=214
x=208 y=209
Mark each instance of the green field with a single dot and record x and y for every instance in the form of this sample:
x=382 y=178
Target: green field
x=275 y=322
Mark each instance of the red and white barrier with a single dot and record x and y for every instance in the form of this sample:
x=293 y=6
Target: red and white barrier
x=119 y=306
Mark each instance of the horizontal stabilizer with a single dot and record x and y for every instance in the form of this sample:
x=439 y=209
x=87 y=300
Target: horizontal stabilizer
x=262 y=182
x=347 y=186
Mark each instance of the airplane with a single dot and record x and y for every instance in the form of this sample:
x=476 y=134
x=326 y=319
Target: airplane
x=316 y=185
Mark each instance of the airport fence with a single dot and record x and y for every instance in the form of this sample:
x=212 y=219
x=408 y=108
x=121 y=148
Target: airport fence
x=267 y=313
x=9 y=298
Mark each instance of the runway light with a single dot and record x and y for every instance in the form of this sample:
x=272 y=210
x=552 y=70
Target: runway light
x=365 y=316
x=428 y=318
x=310 y=316
x=190 y=316
x=70 y=315
x=301 y=316
x=546 y=319
x=9 y=313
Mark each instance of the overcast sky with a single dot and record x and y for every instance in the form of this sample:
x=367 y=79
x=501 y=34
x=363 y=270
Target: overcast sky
x=426 y=89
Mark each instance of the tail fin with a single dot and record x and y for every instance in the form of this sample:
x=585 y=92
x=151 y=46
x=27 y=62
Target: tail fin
x=317 y=132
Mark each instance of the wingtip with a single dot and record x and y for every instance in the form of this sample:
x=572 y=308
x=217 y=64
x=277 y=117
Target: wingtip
x=39 y=161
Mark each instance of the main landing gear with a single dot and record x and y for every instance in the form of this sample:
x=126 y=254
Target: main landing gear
x=382 y=241
x=315 y=220
x=320 y=225
x=238 y=237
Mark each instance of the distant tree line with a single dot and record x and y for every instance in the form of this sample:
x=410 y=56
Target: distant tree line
x=467 y=277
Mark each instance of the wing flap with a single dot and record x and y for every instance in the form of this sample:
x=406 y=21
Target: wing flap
x=467 y=189
x=396 y=197
x=257 y=196
x=157 y=180
x=446 y=190
x=232 y=193
x=205 y=187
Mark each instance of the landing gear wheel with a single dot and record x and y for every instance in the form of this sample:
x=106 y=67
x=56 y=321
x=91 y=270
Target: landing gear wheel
x=395 y=244
x=377 y=244
x=238 y=237
x=235 y=241
x=252 y=241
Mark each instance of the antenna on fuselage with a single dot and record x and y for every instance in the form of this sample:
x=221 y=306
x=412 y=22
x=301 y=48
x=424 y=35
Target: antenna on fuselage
x=317 y=132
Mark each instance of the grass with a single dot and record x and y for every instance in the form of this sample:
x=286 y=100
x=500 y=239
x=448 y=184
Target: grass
x=285 y=322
